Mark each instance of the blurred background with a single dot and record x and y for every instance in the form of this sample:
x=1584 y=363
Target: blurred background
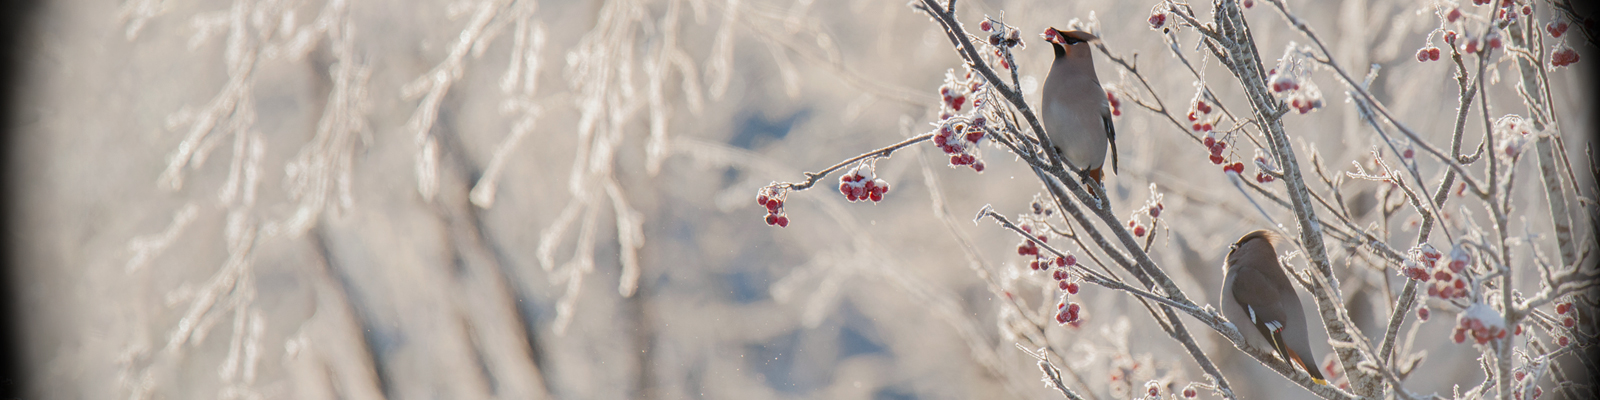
x=286 y=199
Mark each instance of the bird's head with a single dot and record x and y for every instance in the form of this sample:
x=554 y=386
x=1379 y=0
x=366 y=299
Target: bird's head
x=1069 y=42
x=1260 y=240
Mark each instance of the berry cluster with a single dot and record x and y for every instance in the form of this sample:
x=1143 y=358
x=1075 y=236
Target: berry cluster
x=960 y=141
x=1041 y=261
x=862 y=183
x=1264 y=163
x=1570 y=319
x=953 y=94
x=1427 y=54
x=1158 y=20
x=1490 y=41
x=1003 y=39
x=1291 y=82
x=1289 y=87
x=1215 y=147
x=1067 y=313
x=1002 y=35
x=772 y=198
x=1423 y=266
x=1563 y=56
x=1481 y=322
x=1151 y=210
x=1514 y=133
x=1190 y=392
x=1449 y=280
x=1556 y=28
x=1200 y=116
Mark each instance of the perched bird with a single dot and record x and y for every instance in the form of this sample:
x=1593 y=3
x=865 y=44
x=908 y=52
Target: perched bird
x=1259 y=299
x=1076 y=114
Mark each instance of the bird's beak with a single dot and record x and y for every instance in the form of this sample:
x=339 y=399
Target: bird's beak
x=1051 y=35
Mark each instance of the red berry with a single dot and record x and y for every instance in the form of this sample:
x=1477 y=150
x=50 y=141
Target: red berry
x=1138 y=231
x=1563 y=308
x=1453 y=15
x=1527 y=10
x=1216 y=159
x=1519 y=375
x=1058 y=275
x=1072 y=288
x=1556 y=28
x=1070 y=260
x=1568 y=322
x=1063 y=284
x=1157 y=20
x=1561 y=341
x=1494 y=42
x=1061 y=262
x=1155 y=212
x=1407 y=153
x=1460 y=284
x=1061 y=317
x=783 y=221
x=984 y=25
x=1433 y=53
x=1034 y=265
x=772 y=219
x=1460 y=336
x=977 y=166
x=1246 y=4
x=1153 y=389
x=1450 y=37
x=1210 y=141
x=1422 y=313
x=1441 y=275
x=1189 y=393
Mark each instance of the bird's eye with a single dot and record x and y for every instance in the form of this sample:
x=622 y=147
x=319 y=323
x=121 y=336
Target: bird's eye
x=1072 y=40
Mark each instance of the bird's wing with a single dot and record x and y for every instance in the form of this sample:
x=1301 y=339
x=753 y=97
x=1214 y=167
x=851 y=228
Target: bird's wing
x=1111 y=136
x=1253 y=291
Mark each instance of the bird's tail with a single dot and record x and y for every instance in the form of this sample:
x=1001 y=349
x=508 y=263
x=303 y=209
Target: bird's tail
x=1305 y=363
x=1311 y=367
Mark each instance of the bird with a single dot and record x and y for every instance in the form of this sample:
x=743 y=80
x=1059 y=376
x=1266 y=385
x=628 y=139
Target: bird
x=1076 y=115
x=1259 y=299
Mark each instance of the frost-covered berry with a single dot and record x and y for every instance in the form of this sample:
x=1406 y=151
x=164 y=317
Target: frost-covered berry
x=1556 y=28
x=1157 y=20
